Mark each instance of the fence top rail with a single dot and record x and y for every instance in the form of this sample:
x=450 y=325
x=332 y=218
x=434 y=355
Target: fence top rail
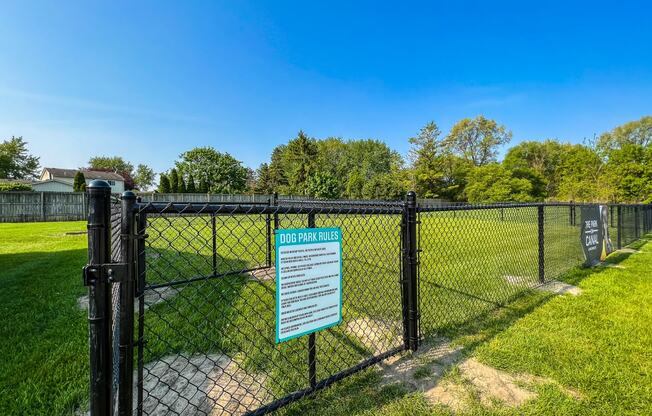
x=218 y=208
x=473 y=207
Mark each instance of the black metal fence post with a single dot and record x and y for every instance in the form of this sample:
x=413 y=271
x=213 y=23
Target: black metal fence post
x=214 y=242
x=126 y=311
x=99 y=298
x=268 y=234
x=312 y=347
x=542 y=257
x=619 y=232
x=409 y=286
x=275 y=203
x=142 y=228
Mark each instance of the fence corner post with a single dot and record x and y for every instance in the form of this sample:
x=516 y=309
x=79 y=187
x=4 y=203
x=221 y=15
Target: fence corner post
x=410 y=285
x=542 y=256
x=99 y=298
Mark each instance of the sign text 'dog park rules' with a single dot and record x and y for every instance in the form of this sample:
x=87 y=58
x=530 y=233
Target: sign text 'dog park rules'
x=308 y=281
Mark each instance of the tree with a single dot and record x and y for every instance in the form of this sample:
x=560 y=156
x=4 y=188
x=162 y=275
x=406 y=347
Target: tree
x=263 y=180
x=494 y=183
x=79 y=182
x=203 y=186
x=476 y=140
x=629 y=171
x=15 y=161
x=163 y=184
x=191 y=188
x=581 y=175
x=115 y=164
x=322 y=185
x=300 y=158
x=221 y=171
x=426 y=161
x=638 y=132
x=182 y=185
x=144 y=177
x=174 y=181
x=544 y=158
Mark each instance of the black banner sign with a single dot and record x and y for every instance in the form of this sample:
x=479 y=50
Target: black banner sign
x=595 y=234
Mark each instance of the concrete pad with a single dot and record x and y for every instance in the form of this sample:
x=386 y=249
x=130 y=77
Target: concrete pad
x=559 y=288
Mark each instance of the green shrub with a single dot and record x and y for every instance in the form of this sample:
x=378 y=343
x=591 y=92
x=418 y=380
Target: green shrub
x=14 y=186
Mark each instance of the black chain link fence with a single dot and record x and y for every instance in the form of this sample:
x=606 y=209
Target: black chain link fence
x=205 y=289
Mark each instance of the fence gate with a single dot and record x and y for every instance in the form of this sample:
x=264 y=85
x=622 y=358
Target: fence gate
x=200 y=336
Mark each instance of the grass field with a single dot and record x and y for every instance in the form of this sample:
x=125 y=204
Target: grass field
x=45 y=333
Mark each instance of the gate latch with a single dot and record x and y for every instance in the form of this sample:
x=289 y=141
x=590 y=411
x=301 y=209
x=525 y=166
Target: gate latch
x=108 y=273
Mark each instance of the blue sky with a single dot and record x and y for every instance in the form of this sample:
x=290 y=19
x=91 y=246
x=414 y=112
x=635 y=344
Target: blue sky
x=150 y=80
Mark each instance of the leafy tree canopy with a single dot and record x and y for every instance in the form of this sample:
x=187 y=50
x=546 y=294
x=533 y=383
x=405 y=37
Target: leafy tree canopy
x=15 y=160
x=221 y=171
x=477 y=140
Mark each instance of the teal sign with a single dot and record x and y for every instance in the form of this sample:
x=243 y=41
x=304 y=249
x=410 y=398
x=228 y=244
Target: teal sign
x=308 y=281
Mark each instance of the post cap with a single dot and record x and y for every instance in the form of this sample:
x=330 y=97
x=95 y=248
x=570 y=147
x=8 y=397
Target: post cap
x=98 y=184
x=128 y=195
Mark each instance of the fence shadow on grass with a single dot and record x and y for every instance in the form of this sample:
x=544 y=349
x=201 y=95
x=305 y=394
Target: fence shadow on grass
x=363 y=391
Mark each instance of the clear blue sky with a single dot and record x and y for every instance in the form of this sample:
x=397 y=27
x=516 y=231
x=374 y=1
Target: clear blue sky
x=150 y=80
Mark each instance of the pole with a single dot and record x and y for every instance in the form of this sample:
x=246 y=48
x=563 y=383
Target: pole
x=411 y=320
x=126 y=310
x=99 y=299
x=312 y=341
x=620 y=226
x=542 y=257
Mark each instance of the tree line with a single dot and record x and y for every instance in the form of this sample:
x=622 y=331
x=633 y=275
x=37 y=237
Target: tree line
x=461 y=165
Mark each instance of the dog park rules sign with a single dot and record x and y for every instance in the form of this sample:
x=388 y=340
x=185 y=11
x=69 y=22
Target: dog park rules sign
x=596 y=243
x=308 y=281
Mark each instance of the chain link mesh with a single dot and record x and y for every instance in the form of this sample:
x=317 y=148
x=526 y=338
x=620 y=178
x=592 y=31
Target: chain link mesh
x=208 y=326
x=206 y=289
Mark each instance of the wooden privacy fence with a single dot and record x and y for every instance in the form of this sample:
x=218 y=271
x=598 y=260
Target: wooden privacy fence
x=73 y=206
x=42 y=206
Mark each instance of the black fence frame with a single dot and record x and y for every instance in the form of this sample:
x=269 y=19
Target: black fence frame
x=111 y=372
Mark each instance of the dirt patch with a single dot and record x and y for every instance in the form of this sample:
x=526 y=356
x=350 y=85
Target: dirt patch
x=426 y=371
x=422 y=370
x=629 y=250
x=613 y=266
x=152 y=297
x=449 y=394
x=263 y=274
x=376 y=335
x=520 y=280
x=201 y=384
x=560 y=288
x=492 y=384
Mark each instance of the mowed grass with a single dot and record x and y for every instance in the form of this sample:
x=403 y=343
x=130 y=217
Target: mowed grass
x=43 y=335
x=465 y=260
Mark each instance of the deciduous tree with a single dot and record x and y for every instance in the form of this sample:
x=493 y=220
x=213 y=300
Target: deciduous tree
x=15 y=160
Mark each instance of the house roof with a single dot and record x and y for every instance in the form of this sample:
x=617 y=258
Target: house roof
x=52 y=180
x=88 y=174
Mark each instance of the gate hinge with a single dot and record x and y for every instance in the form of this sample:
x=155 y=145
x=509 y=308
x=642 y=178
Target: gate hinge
x=109 y=272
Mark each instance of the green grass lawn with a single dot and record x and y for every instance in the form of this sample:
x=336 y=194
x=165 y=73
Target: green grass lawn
x=466 y=257
x=43 y=335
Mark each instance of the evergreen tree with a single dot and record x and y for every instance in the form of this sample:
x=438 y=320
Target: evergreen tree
x=164 y=184
x=174 y=181
x=182 y=185
x=203 y=186
x=79 y=183
x=191 y=189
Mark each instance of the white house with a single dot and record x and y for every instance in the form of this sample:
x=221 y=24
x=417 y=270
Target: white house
x=61 y=180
